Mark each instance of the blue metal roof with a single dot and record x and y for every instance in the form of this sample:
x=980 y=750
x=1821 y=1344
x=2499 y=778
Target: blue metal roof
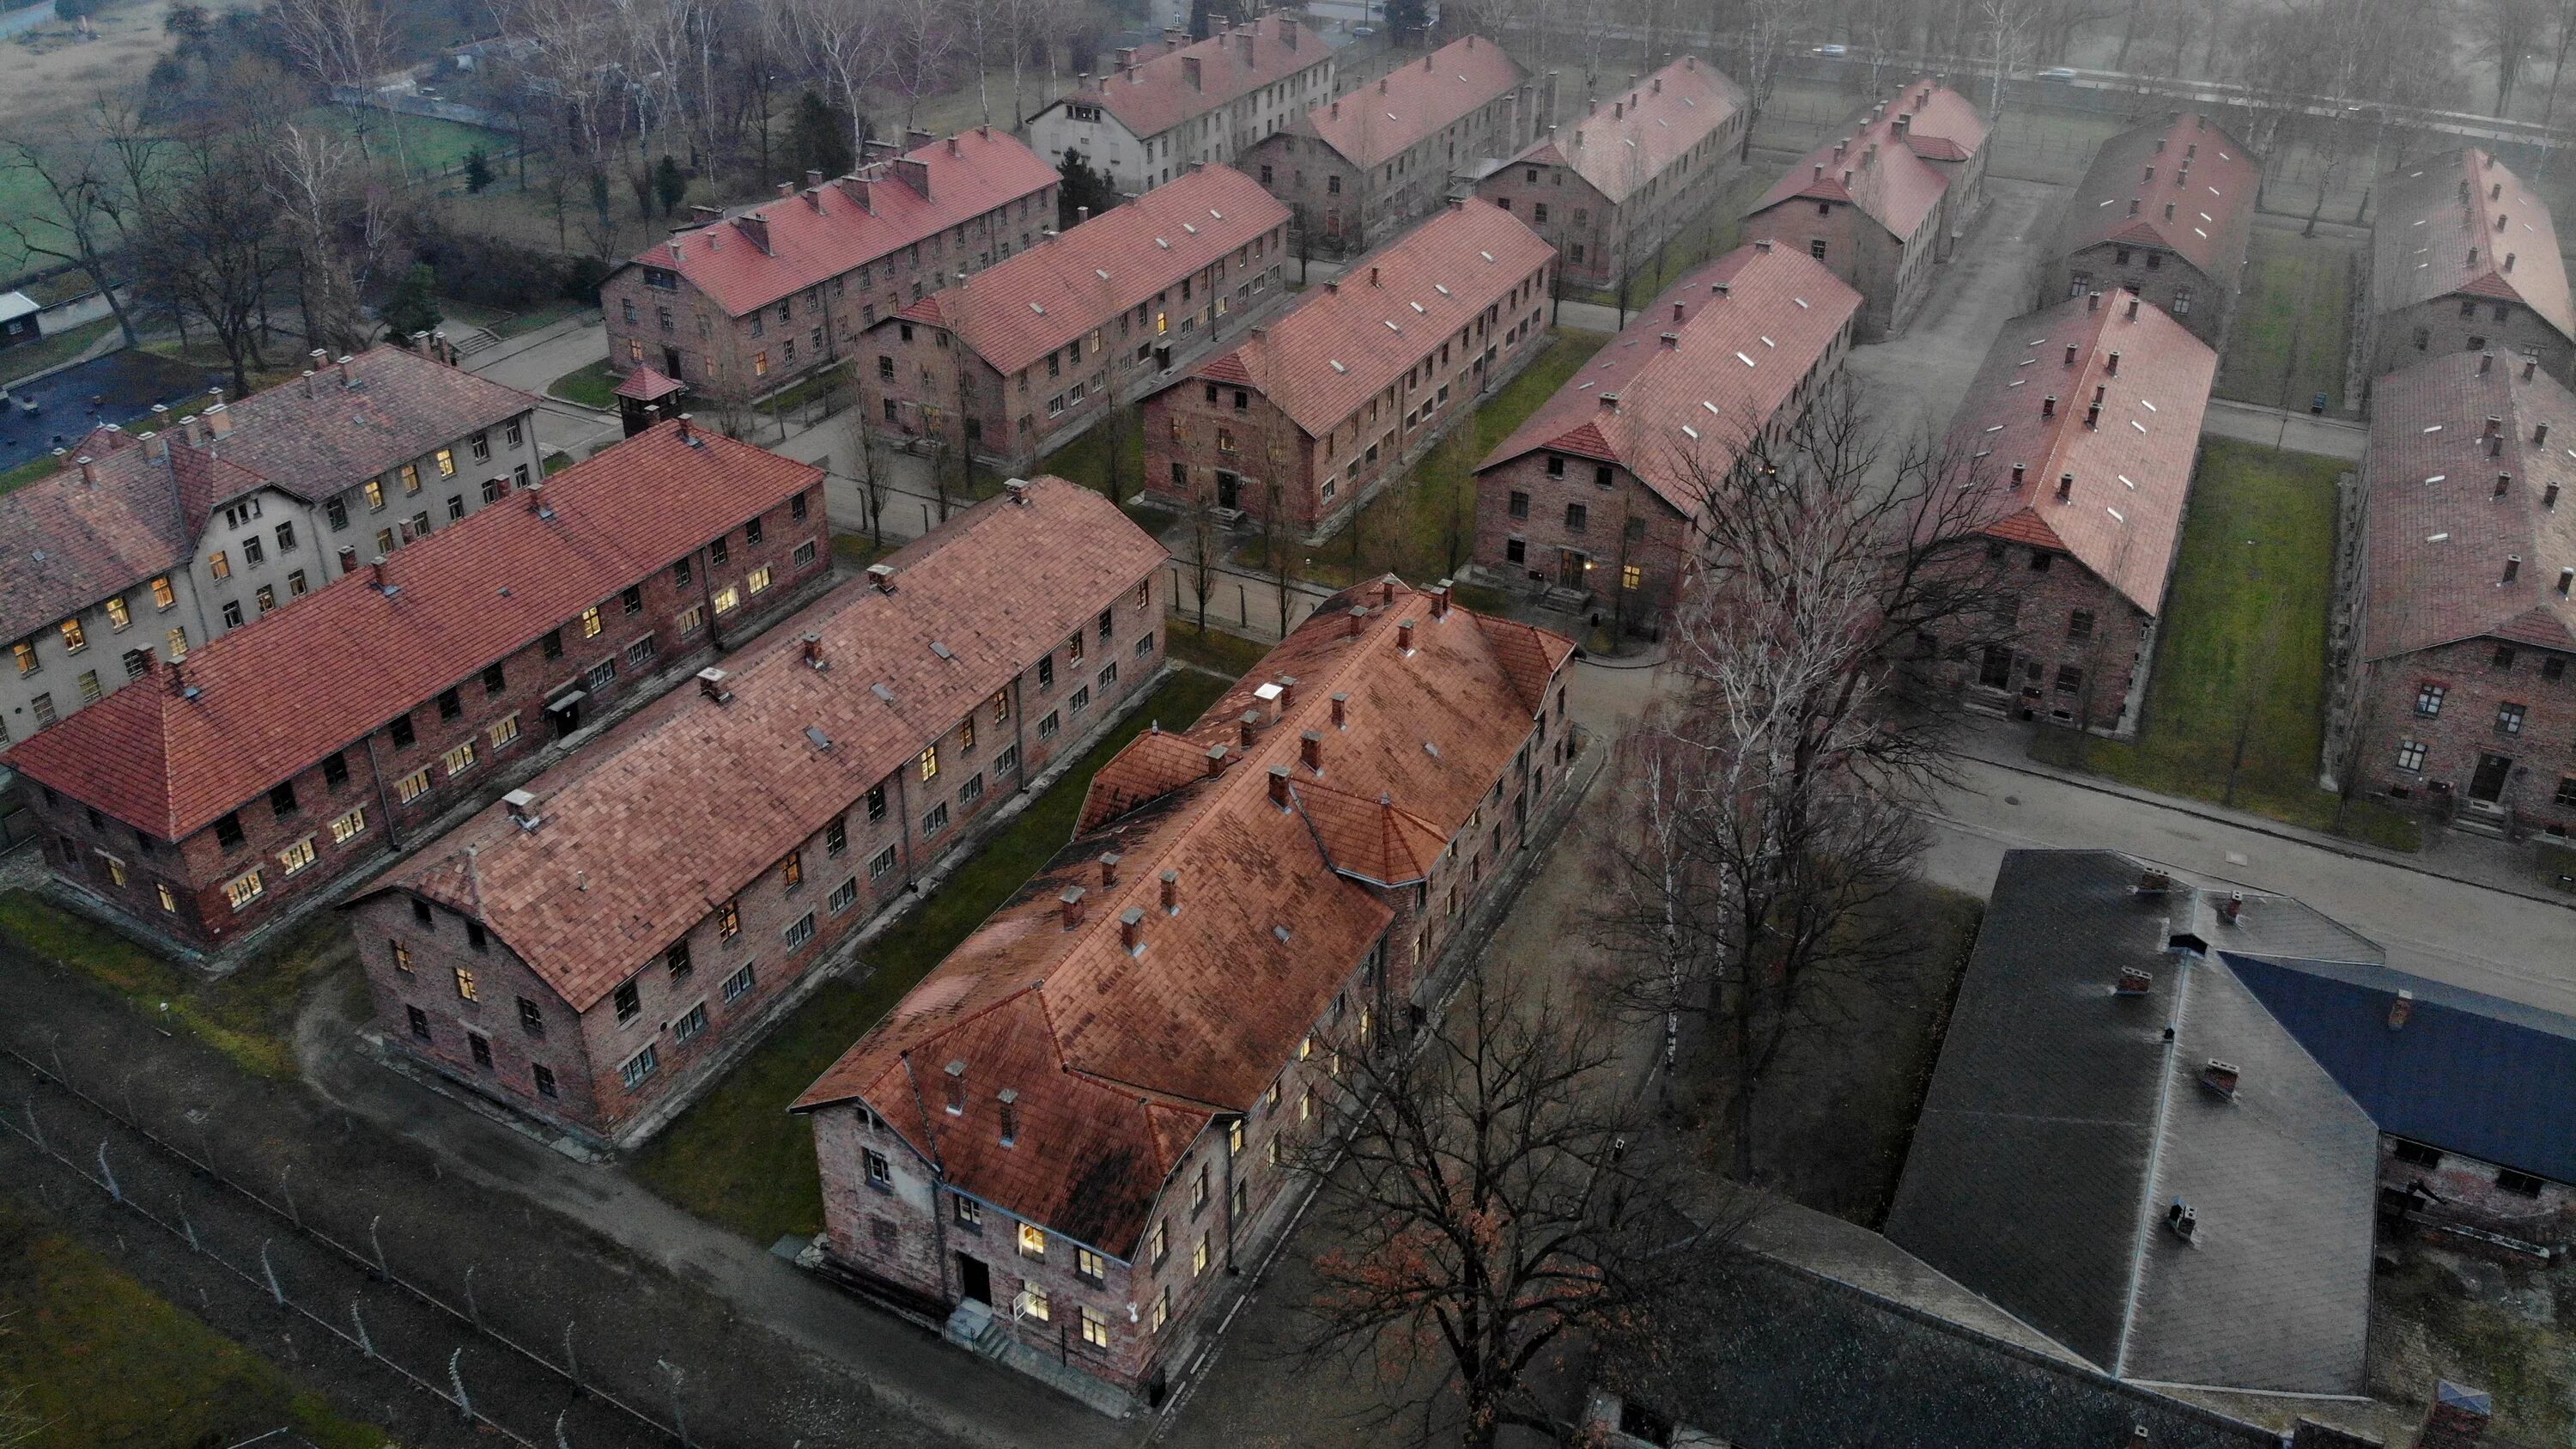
x=2467 y=1073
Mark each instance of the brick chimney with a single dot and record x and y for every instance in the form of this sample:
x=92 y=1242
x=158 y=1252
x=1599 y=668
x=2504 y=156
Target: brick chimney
x=2019 y=474
x=755 y=229
x=1279 y=786
x=1007 y=1104
x=2134 y=981
x=2113 y=367
x=1215 y=761
x=1248 y=728
x=2504 y=484
x=2220 y=1077
x=1404 y=636
x=814 y=651
x=956 y=1073
x=1171 y=892
x=2400 y=1008
x=1071 y=902
x=1109 y=868
x=2456 y=1419
x=1190 y=72
x=1310 y=751
x=2486 y=363
x=1357 y=616
x=2512 y=567
x=2048 y=406
x=219 y=420
x=2133 y=314
x=523 y=808
x=711 y=683
x=2065 y=487
x=881 y=577
x=1341 y=711
x=1131 y=929
x=1439 y=593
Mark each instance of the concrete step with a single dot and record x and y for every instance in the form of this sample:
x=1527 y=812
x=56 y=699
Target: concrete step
x=473 y=340
x=2489 y=826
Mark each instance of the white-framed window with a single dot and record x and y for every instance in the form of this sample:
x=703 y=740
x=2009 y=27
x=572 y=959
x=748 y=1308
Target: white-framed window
x=882 y=865
x=297 y=856
x=244 y=888
x=738 y=984
x=639 y=1067
x=844 y=895
x=800 y=932
x=728 y=599
x=691 y=1024
x=759 y=579
x=2410 y=755
x=458 y=760
x=503 y=730
x=412 y=786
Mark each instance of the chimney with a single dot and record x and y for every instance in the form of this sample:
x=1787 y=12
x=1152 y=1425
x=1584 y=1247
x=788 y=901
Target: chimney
x=1190 y=71
x=1215 y=761
x=2530 y=365
x=2539 y=434
x=1018 y=489
x=2065 y=487
x=523 y=808
x=1763 y=245
x=2549 y=496
x=1404 y=636
x=2219 y=1077
x=2500 y=219
x=1671 y=340
x=1904 y=124
x=2512 y=566
x=2232 y=907
x=2134 y=981
x=1279 y=786
x=1248 y=728
x=1131 y=929
x=1171 y=892
x=2021 y=472
x=1109 y=868
x=952 y=147
x=2092 y=301
x=2183 y=1219
x=2566 y=582
x=2093 y=416
x=376 y=575
x=2133 y=316
x=687 y=423
x=1081 y=214
x=219 y=420
x=1341 y=711
x=2495 y=192
x=1288 y=32
x=2048 y=406
x=1677 y=314
x=1358 y=615
x=2133 y=206
x=2151 y=173
x=786 y=189
x=2508 y=261
x=2070 y=354
x=2504 y=484
x=755 y=229
x=2114 y=368
x=1008 y=1102
x=1244 y=39
x=2494 y=426
x=881 y=577
x=2169 y=208
x=1310 y=751
x=88 y=471
x=2456 y=1419
x=957 y=1088
x=1439 y=593
x=814 y=651
x=1071 y=902
x=2473 y=256
x=1386 y=592
x=2400 y=1009
x=348 y=560
x=1372 y=276
x=711 y=683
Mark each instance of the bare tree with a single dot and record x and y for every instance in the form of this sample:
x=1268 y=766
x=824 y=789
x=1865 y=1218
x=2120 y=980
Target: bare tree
x=1494 y=1192
x=343 y=44
x=848 y=42
x=2505 y=32
x=867 y=471
x=207 y=246
x=1765 y=27
x=1203 y=543
x=94 y=181
x=2563 y=30
x=922 y=40
x=340 y=226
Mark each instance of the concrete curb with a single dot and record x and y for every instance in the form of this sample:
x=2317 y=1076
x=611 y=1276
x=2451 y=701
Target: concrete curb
x=2347 y=849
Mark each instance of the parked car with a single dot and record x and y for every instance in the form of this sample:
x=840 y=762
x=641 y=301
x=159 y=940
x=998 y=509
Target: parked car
x=2057 y=73
x=1833 y=50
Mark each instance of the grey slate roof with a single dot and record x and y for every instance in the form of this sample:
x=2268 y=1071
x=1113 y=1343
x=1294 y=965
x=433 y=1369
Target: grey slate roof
x=1772 y=1357
x=2467 y=1072
x=2060 y=1123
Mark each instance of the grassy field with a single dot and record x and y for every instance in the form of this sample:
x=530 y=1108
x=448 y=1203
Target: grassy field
x=2242 y=651
x=590 y=385
x=427 y=144
x=2291 y=326
x=737 y=1157
x=1409 y=528
x=248 y=1016
x=98 y=1359
x=1086 y=460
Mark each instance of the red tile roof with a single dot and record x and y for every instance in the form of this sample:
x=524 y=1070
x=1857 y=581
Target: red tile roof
x=2452 y=226
x=646 y=383
x=1887 y=174
x=1683 y=411
x=70 y=540
x=1371 y=125
x=1017 y=311
x=1346 y=340
x=1155 y=94
x=745 y=781
x=2439 y=535
x=2201 y=173
x=275 y=697
x=2132 y=468
x=820 y=233
x=1117 y=1058
x=1643 y=132
x=327 y=433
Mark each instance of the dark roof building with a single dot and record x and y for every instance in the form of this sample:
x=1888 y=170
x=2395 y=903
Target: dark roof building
x=2064 y=1125
x=2165 y=213
x=2465 y=259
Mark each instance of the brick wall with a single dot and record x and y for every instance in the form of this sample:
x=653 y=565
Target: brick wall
x=2110 y=662
x=2407 y=335
x=1961 y=199
x=201 y=870
x=2187 y=294
x=1523 y=532
x=1192 y=423
x=2472 y=1192
x=1891 y=274
x=1595 y=238
x=1343 y=209
x=770 y=347
x=2478 y=679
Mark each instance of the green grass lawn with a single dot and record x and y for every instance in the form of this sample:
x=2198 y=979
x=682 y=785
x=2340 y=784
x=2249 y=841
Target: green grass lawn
x=2242 y=650
x=1087 y=459
x=2290 y=330
x=1215 y=650
x=737 y=1157
x=248 y=1016
x=590 y=385
x=99 y=1359
x=29 y=358
x=1422 y=527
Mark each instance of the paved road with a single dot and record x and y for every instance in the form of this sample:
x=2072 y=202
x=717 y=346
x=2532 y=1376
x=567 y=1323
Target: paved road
x=2468 y=935
x=1917 y=380
x=2297 y=431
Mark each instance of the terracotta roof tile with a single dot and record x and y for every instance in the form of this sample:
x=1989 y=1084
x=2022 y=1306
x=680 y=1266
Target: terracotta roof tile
x=1130 y=1054
x=1343 y=341
x=744 y=779
x=1373 y=124
x=1155 y=94
x=2450 y=226
x=326 y=434
x=1691 y=405
x=1017 y=311
x=2211 y=193
x=68 y=541
x=2439 y=535
x=1643 y=132
x=275 y=697
x=646 y=383
x=846 y=224
x=2132 y=468
x=1897 y=187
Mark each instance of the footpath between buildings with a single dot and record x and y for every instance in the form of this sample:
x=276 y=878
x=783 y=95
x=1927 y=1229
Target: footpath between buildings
x=2003 y=748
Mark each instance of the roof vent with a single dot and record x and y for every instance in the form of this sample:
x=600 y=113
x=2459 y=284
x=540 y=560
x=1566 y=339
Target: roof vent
x=2134 y=981
x=814 y=736
x=2219 y=1077
x=711 y=683
x=2232 y=907
x=2183 y=1220
x=2401 y=1009
x=523 y=808
x=882 y=577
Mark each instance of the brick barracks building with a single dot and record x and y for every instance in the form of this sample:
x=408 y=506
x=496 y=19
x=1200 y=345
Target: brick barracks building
x=1600 y=492
x=217 y=795
x=1359 y=376
x=2465 y=259
x=1360 y=169
x=1039 y=348
x=742 y=305
x=1173 y=105
x=2164 y=213
x=1077 y=1118
x=2459 y=615
x=1884 y=201
x=555 y=952
x=2085 y=424
x=1612 y=188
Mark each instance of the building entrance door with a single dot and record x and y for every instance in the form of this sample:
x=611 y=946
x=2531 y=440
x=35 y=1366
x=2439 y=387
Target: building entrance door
x=974 y=1280
x=671 y=363
x=2488 y=783
x=1571 y=566
x=1229 y=490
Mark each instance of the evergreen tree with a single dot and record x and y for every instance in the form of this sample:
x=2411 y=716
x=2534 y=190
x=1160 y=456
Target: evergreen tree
x=818 y=138
x=1405 y=20
x=1084 y=186
x=414 y=307
x=670 y=187
x=478 y=171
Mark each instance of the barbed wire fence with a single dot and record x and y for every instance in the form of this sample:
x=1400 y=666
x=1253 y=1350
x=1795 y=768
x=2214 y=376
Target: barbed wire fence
x=132 y=1166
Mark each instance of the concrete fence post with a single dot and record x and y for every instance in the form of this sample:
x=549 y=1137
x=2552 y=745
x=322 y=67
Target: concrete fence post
x=365 y=1344
x=36 y=1129
x=269 y=1270
x=107 y=1174
x=456 y=1381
